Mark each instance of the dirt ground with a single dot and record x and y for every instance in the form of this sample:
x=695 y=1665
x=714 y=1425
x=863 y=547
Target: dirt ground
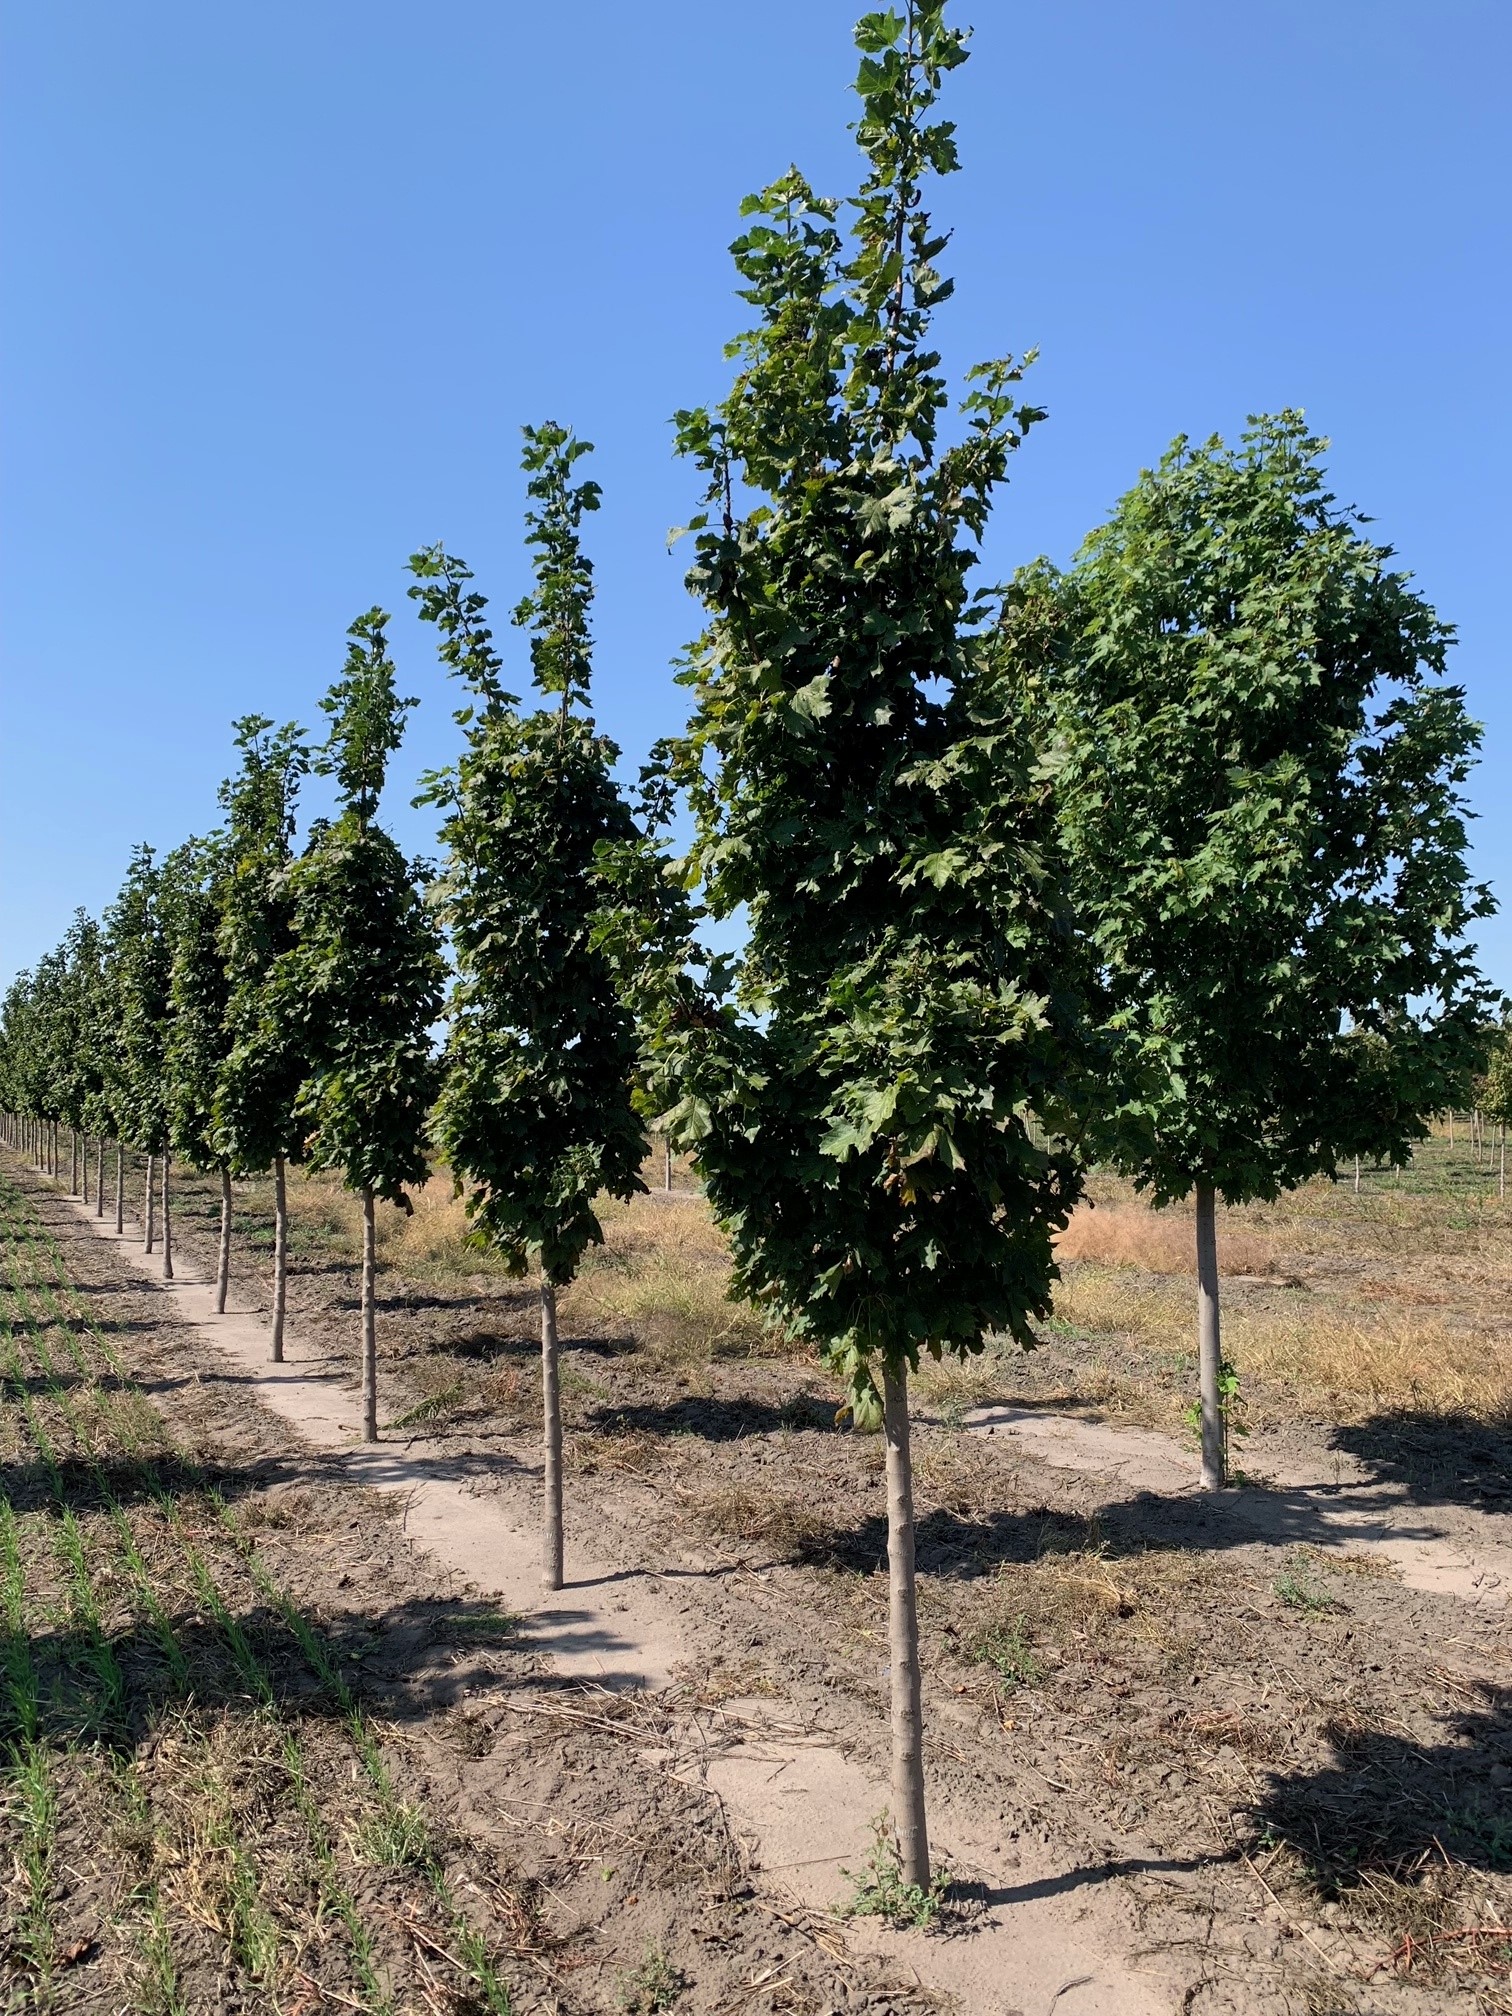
x=1250 y=1754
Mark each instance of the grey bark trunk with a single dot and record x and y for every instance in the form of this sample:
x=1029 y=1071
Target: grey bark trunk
x=84 y=1169
x=667 y=1165
x=73 y=1161
x=903 y=1637
x=369 y=1326
x=149 y=1208
x=1209 y=1344
x=167 y=1225
x=280 y=1255
x=100 y=1177
x=223 y=1258
x=120 y=1189
x=551 y=1435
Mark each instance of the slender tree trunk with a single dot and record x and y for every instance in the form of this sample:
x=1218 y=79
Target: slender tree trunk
x=903 y=1636
x=120 y=1189
x=369 y=1326
x=149 y=1208
x=667 y=1166
x=223 y=1260
x=84 y=1168
x=1357 y=1175
x=280 y=1255
x=1209 y=1346
x=1501 y=1181
x=73 y=1161
x=100 y=1177
x=167 y=1226
x=551 y=1419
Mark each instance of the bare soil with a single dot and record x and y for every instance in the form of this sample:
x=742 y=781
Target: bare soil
x=1244 y=1754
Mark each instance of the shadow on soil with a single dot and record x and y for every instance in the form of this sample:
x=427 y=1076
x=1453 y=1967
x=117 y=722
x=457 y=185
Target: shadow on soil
x=1391 y=1806
x=1435 y=1459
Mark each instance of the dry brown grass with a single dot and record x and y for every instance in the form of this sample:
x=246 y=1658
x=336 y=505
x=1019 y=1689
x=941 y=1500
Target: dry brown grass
x=662 y=1273
x=1360 y=1362
x=783 y=1521
x=1072 y=1599
x=1161 y=1242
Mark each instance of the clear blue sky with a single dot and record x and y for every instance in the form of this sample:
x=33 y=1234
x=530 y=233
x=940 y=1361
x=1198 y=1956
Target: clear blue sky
x=282 y=281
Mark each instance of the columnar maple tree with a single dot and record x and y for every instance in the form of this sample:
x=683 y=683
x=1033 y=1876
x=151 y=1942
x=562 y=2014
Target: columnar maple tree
x=1261 y=803
x=255 y=1120
x=195 y=1053
x=864 y=787
x=361 y=983
x=141 y=961
x=536 y=1115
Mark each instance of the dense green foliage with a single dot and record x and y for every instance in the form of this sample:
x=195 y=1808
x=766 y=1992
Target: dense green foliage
x=255 y=1115
x=536 y=1115
x=361 y=983
x=141 y=967
x=1260 y=793
x=864 y=790
x=198 y=1038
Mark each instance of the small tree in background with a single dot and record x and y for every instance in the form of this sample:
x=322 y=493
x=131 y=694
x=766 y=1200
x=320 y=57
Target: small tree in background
x=198 y=1037
x=536 y=1115
x=256 y=1124
x=73 y=1066
x=1260 y=801
x=362 y=982
x=863 y=786
x=91 y=981
x=140 y=959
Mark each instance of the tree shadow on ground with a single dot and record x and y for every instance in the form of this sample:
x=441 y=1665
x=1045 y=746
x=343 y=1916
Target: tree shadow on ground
x=1388 y=1804
x=1435 y=1458
x=718 y=1420
x=950 y=1543
x=489 y=1347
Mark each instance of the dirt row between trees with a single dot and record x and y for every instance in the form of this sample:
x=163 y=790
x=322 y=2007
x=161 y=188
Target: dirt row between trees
x=1245 y=1755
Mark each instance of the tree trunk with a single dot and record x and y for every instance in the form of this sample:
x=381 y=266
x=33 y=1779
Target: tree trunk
x=369 y=1329
x=903 y=1637
x=551 y=1421
x=280 y=1255
x=120 y=1189
x=167 y=1226
x=667 y=1165
x=73 y=1161
x=84 y=1169
x=223 y=1260
x=100 y=1177
x=1209 y=1347
x=149 y=1208
x=1357 y=1175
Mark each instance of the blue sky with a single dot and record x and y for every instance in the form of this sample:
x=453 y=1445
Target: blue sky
x=283 y=281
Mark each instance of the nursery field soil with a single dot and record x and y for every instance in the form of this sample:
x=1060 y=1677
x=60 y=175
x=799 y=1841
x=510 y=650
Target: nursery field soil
x=1259 y=1751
